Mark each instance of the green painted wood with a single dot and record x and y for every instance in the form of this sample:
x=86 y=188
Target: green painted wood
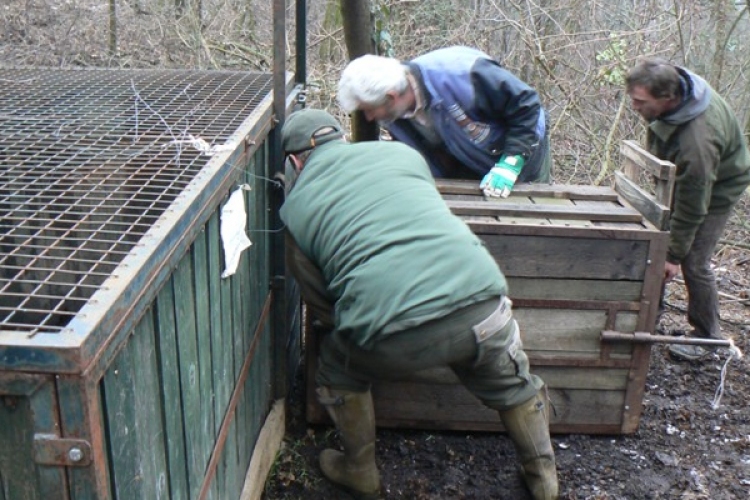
x=18 y=475
x=250 y=291
x=118 y=388
x=233 y=480
x=44 y=409
x=244 y=315
x=255 y=286
x=132 y=394
x=239 y=332
x=169 y=364
x=196 y=443
x=230 y=453
x=150 y=409
x=222 y=379
x=74 y=397
x=199 y=258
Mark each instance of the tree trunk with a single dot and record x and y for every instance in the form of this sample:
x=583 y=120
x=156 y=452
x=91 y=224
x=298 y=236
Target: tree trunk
x=358 y=37
x=113 y=29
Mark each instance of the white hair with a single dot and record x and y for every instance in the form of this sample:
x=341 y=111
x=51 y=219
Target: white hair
x=368 y=79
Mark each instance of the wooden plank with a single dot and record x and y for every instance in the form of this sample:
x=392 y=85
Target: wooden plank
x=132 y=389
x=647 y=205
x=199 y=259
x=151 y=466
x=613 y=231
x=222 y=380
x=575 y=203
x=248 y=318
x=556 y=377
x=633 y=404
x=619 y=225
x=653 y=282
x=81 y=415
x=233 y=484
x=563 y=191
x=568 y=258
x=173 y=401
x=425 y=406
x=573 y=289
x=229 y=457
x=238 y=341
x=463 y=197
x=521 y=220
x=44 y=418
x=510 y=208
x=238 y=399
x=633 y=152
x=637 y=159
x=119 y=395
x=17 y=467
x=564 y=332
x=32 y=409
x=636 y=226
x=264 y=452
x=197 y=448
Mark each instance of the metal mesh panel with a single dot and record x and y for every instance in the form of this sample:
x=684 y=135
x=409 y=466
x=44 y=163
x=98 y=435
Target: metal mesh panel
x=89 y=160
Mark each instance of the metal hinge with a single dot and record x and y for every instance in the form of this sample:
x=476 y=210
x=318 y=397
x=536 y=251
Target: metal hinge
x=50 y=449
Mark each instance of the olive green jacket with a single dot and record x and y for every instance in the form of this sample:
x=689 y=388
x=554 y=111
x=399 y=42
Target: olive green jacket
x=388 y=249
x=712 y=160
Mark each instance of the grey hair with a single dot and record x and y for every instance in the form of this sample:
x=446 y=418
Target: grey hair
x=368 y=79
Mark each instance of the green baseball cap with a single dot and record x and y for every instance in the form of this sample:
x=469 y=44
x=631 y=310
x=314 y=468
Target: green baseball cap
x=308 y=128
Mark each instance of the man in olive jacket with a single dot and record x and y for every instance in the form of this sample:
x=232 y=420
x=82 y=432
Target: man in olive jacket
x=693 y=127
x=404 y=285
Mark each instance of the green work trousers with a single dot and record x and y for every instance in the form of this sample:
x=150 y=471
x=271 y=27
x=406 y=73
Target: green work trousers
x=495 y=369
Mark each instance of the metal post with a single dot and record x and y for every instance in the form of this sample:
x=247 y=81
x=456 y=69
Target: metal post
x=300 y=71
x=280 y=325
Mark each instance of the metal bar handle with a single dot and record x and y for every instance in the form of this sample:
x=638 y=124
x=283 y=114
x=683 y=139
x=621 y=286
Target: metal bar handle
x=646 y=337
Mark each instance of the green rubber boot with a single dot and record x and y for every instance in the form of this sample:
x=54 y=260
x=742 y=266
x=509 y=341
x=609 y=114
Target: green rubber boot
x=354 y=469
x=528 y=427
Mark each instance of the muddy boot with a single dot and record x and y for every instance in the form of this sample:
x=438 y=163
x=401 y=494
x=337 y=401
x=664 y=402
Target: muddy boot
x=528 y=427
x=354 y=469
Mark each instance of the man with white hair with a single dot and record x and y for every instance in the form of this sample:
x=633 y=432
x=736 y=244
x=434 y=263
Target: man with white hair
x=466 y=114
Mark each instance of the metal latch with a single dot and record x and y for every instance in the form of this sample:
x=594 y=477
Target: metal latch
x=50 y=449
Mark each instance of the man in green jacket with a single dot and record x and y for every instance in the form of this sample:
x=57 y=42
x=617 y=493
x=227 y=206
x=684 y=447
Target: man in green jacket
x=690 y=125
x=403 y=285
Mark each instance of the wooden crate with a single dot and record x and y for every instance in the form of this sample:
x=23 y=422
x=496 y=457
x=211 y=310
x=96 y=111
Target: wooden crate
x=579 y=260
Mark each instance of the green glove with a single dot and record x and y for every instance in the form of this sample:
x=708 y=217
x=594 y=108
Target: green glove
x=500 y=180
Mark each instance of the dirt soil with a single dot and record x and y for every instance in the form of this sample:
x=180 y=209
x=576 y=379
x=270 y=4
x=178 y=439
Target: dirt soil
x=685 y=448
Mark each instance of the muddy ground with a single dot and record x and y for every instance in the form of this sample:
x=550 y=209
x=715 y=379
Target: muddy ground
x=684 y=447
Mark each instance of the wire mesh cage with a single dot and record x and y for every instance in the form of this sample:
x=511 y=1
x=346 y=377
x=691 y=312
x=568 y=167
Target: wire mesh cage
x=131 y=364
x=89 y=162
